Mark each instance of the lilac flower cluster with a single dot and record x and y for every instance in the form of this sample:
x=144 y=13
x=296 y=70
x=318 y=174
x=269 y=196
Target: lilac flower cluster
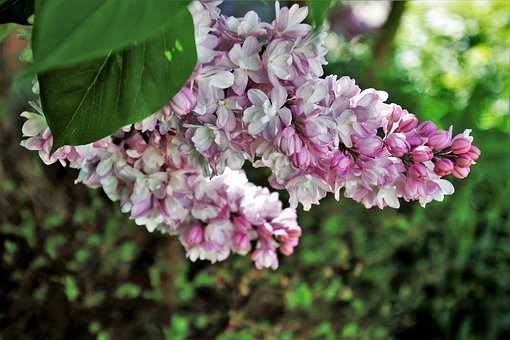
x=155 y=175
x=258 y=94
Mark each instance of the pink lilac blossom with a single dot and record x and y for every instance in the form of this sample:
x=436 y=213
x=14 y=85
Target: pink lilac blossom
x=317 y=135
x=155 y=175
x=258 y=94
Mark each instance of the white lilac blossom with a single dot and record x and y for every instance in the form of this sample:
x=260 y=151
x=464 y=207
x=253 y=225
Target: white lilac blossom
x=267 y=115
x=246 y=60
x=257 y=94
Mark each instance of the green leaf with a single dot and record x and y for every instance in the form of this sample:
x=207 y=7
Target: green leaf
x=71 y=288
x=350 y=330
x=94 y=28
x=300 y=297
x=319 y=10
x=179 y=328
x=128 y=290
x=5 y=30
x=89 y=101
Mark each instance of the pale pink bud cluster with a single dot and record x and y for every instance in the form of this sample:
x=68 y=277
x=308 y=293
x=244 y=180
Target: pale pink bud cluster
x=258 y=94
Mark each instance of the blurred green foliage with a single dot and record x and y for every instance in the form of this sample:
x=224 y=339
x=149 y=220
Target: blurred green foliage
x=72 y=266
x=450 y=63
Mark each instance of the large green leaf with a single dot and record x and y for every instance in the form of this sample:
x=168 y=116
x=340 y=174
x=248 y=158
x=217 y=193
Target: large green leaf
x=319 y=10
x=86 y=102
x=74 y=31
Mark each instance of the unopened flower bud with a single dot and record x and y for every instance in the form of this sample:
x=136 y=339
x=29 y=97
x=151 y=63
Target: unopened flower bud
x=397 y=113
x=241 y=243
x=443 y=167
x=194 y=234
x=460 y=144
x=397 y=144
x=460 y=172
x=183 y=102
x=463 y=161
x=418 y=171
x=286 y=249
x=439 y=140
x=473 y=153
x=414 y=139
x=427 y=128
x=407 y=123
x=422 y=153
